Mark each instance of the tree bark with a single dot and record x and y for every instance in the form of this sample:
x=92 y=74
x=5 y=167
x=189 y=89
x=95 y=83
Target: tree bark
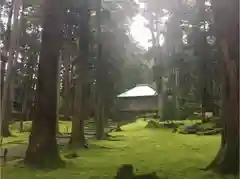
x=81 y=88
x=28 y=94
x=227 y=159
x=100 y=96
x=24 y=102
x=6 y=105
x=3 y=64
x=66 y=102
x=27 y=103
x=99 y=80
x=100 y=120
x=43 y=150
x=58 y=93
x=6 y=47
x=80 y=114
x=71 y=91
x=160 y=89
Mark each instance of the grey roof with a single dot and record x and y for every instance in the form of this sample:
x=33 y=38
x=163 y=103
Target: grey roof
x=139 y=90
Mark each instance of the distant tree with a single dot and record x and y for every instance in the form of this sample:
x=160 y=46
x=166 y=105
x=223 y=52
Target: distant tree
x=110 y=56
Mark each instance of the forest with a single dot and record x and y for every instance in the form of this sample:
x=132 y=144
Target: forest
x=64 y=63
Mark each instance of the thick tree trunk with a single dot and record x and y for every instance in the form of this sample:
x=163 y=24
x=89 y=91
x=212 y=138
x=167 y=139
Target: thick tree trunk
x=7 y=113
x=99 y=80
x=81 y=88
x=77 y=136
x=6 y=106
x=202 y=51
x=42 y=150
x=99 y=108
x=5 y=132
x=8 y=30
x=227 y=159
x=6 y=48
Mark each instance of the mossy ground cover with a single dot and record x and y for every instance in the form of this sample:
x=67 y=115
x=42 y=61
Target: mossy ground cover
x=22 y=137
x=171 y=155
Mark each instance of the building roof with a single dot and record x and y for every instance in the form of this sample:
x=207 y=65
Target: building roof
x=139 y=90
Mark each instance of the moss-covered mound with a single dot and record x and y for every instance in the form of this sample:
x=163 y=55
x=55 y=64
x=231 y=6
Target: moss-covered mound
x=208 y=128
x=118 y=128
x=190 y=129
x=170 y=125
x=126 y=171
x=71 y=155
x=211 y=132
x=152 y=124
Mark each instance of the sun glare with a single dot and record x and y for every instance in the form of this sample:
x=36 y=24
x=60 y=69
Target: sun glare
x=139 y=32
x=142 y=34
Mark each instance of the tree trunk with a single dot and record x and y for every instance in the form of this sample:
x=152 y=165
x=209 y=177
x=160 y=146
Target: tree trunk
x=24 y=107
x=3 y=64
x=58 y=93
x=28 y=96
x=5 y=132
x=80 y=114
x=99 y=80
x=8 y=30
x=8 y=83
x=81 y=88
x=32 y=101
x=101 y=113
x=100 y=121
x=6 y=48
x=160 y=95
x=66 y=102
x=71 y=91
x=99 y=109
x=42 y=150
x=227 y=159
x=29 y=89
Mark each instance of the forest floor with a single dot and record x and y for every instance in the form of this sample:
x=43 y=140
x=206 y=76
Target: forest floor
x=17 y=143
x=170 y=155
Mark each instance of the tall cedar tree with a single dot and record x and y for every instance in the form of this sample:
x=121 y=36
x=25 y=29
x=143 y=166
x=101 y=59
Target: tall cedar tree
x=43 y=149
x=227 y=31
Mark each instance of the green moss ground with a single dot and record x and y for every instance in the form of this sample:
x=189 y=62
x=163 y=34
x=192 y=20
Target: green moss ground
x=171 y=155
x=22 y=137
